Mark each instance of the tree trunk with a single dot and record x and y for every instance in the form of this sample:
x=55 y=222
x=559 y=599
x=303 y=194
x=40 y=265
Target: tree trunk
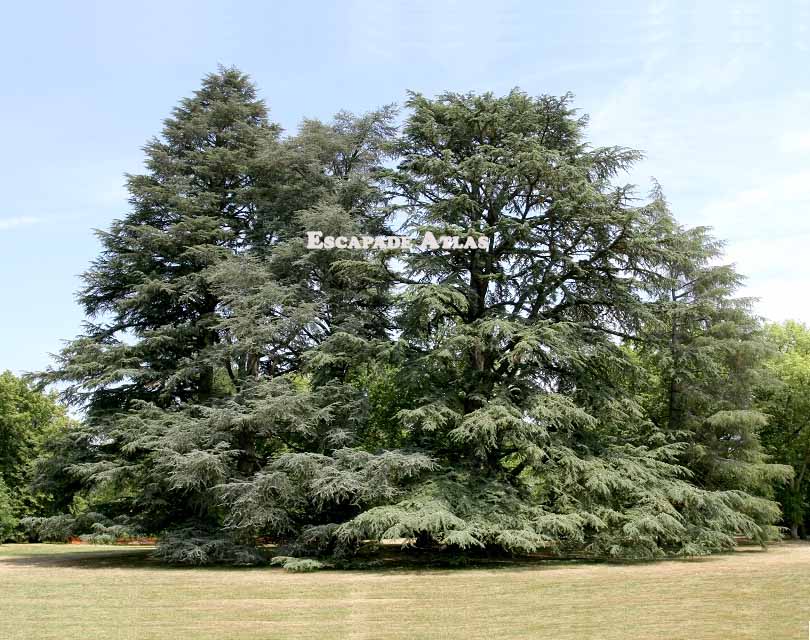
x=424 y=540
x=676 y=413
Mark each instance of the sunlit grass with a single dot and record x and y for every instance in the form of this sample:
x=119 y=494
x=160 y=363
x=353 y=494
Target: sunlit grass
x=85 y=592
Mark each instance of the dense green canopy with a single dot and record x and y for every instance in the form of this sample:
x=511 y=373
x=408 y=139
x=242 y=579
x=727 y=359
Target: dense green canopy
x=582 y=385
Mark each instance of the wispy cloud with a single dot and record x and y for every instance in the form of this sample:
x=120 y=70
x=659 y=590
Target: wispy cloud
x=728 y=156
x=776 y=206
x=768 y=237
x=18 y=221
x=795 y=142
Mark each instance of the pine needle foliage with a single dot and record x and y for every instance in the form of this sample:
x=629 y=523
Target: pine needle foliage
x=241 y=388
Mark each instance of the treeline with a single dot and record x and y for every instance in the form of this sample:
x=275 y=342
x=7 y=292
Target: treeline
x=588 y=384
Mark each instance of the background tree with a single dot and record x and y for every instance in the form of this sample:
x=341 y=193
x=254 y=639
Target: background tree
x=29 y=421
x=8 y=521
x=785 y=397
x=707 y=352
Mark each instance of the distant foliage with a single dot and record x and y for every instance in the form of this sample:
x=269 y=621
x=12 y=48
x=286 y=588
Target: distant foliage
x=29 y=422
x=785 y=398
x=8 y=521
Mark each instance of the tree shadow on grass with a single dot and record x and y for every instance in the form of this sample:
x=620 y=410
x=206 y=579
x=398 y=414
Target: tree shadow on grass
x=112 y=558
x=385 y=560
x=394 y=561
x=105 y=558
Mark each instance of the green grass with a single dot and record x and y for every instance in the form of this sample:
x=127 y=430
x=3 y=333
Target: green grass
x=85 y=592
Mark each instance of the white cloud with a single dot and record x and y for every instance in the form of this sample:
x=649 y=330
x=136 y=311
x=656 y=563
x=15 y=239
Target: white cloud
x=19 y=221
x=725 y=155
x=779 y=300
x=775 y=208
x=795 y=142
x=767 y=228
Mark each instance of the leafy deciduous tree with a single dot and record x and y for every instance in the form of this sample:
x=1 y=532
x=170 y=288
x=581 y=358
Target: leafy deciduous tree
x=785 y=397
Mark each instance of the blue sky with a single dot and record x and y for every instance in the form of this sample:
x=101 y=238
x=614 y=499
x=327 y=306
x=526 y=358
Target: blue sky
x=716 y=94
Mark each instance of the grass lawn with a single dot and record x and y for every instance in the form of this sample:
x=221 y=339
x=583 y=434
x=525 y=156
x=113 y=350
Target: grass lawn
x=87 y=592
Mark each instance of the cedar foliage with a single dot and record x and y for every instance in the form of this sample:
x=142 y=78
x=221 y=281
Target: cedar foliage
x=241 y=388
